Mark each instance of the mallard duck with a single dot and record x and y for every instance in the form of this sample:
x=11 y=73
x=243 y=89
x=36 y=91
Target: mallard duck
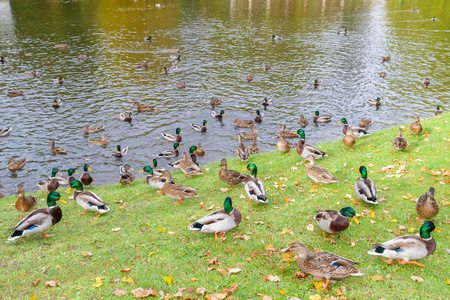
x=86 y=178
x=126 y=117
x=143 y=64
x=173 y=50
x=218 y=115
x=99 y=141
x=81 y=57
x=249 y=78
x=267 y=102
x=276 y=38
x=304 y=149
x=87 y=199
x=153 y=180
x=51 y=184
x=180 y=85
x=303 y=121
x=15 y=93
x=188 y=167
x=65 y=180
x=120 y=152
x=426 y=206
x=387 y=58
x=24 y=203
x=324 y=264
x=365 y=122
x=58 y=80
x=56 y=150
x=40 y=219
x=321 y=119
x=415 y=10
x=406 y=249
x=254 y=187
x=14 y=165
x=3 y=59
x=157 y=171
x=357 y=132
x=230 y=177
x=193 y=158
x=32 y=73
x=148 y=38
x=434 y=19
x=126 y=176
x=176 y=57
x=57 y=103
x=287 y=134
x=200 y=128
x=438 y=112
x=283 y=146
x=243 y=123
x=92 y=129
x=365 y=188
x=317 y=82
x=4 y=131
x=333 y=221
x=318 y=173
x=144 y=107
x=342 y=31
x=254 y=148
x=376 y=102
x=242 y=150
x=61 y=46
x=173 y=137
x=349 y=139
x=267 y=68
x=399 y=142
x=171 y=153
x=170 y=69
x=199 y=151
x=416 y=127
x=177 y=191
x=382 y=74
x=249 y=135
x=259 y=116
x=218 y=221
x=426 y=81
x=215 y=101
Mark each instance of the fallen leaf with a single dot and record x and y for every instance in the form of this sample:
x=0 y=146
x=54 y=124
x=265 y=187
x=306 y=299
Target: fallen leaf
x=315 y=297
x=116 y=229
x=318 y=285
x=447 y=281
x=211 y=207
x=300 y=275
x=435 y=173
x=160 y=229
x=272 y=278
x=140 y=293
x=287 y=257
x=282 y=292
x=119 y=292
x=234 y=270
x=33 y=297
x=86 y=254
x=35 y=282
x=179 y=293
x=270 y=247
x=127 y=270
x=417 y=278
x=52 y=283
x=230 y=289
x=376 y=277
x=244 y=237
x=216 y=296
x=222 y=271
x=127 y=280
x=201 y=290
x=310 y=227
x=223 y=190
x=423 y=169
x=264 y=297
x=168 y=279
x=98 y=282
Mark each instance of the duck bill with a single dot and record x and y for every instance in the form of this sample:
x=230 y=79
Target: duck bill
x=244 y=170
x=69 y=189
x=181 y=131
x=141 y=171
x=76 y=172
x=89 y=169
x=62 y=200
x=287 y=250
x=355 y=218
x=131 y=169
x=59 y=173
x=339 y=122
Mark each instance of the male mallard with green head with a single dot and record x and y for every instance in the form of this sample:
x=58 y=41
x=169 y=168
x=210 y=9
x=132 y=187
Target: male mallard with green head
x=86 y=178
x=87 y=199
x=357 y=132
x=333 y=221
x=254 y=187
x=365 y=188
x=171 y=153
x=200 y=128
x=173 y=137
x=304 y=149
x=321 y=119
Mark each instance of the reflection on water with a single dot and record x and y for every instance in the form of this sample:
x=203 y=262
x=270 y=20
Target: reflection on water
x=221 y=42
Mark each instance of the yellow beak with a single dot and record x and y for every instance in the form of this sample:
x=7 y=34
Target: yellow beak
x=76 y=172
x=62 y=200
x=131 y=169
x=224 y=115
x=141 y=171
x=59 y=173
x=206 y=123
x=180 y=146
x=339 y=122
x=89 y=169
x=244 y=170
x=115 y=149
x=355 y=219
x=181 y=131
x=68 y=190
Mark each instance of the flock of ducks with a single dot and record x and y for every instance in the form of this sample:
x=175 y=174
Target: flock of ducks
x=405 y=249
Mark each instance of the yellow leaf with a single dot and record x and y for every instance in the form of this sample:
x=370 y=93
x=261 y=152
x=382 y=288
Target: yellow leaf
x=193 y=279
x=315 y=297
x=222 y=271
x=376 y=277
x=283 y=292
x=372 y=214
x=394 y=220
x=423 y=169
x=318 y=285
x=169 y=280
x=286 y=231
x=288 y=257
x=411 y=230
x=129 y=280
x=447 y=281
x=98 y=282
x=160 y=229
x=33 y=297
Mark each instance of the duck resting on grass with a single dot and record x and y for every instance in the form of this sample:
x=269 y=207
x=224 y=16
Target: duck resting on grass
x=317 y=173
x=416 y=127
x=426 y=206
x=254 y=187
x=230 y=177
x=399 y=142
x=406 y=249
x=24 y=203
x=333 y=221
x=87 y=199
x=365 y=188
x=177 y=191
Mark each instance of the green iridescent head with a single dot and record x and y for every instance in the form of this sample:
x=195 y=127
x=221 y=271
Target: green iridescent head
x=438 y=107
x=254 y=170
x=222 y=113
x=155 y=163
x=178 y=131
x=363 y=172
x=426 y=229
x=316 y=113
x=343 y=120
x=228 y=205
x=148 y=169
x=71 y=171
x=378 y=99
x=192 y=149
x=273 y=35
x=118 y=148
x=53 y=197
x=54 y=171
x=301 y=134
x=258 y=112
x=348 y=212
x=176 y=145
x=76 y=184
x=86 y=168
x=165 y=69
x=205 y=123
x=60 y=78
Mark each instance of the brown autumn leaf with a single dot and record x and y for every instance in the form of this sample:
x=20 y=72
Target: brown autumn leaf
x=179 y=293
x=119 y=292
x=376 y=277
x=116 y=229
x=222 y=271
x=126 y=270
x=272 y=278
x=417 y=278
x=231 y=288
x=234 y=270
x=201 y=291
x=86 y=254
x=35 y=282
x=214 y=261
x=244 y=237
x=300 y=275
x=264 y=297
x=52 y=283
x=220 y=296
x=141 y=293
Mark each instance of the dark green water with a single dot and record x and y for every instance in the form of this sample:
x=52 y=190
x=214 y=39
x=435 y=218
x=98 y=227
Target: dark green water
x=221 y=42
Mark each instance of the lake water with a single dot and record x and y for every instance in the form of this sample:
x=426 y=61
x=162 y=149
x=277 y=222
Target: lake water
x=221 y=42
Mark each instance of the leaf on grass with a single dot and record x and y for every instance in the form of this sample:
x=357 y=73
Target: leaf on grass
x=128 y=280
x=244 y=237
x=126 y=270
x=179 y=293
x=98 y=282
x=270 y=247
x=435 y=173
x=86 y=254
x=119 y=292
x=211 y=207
x=318 y=285
x=300 y=275
x=287 y=257
x=376 y=277
x=272 y=278
x=52 y=283
x=286 y=231
x=169 y=280
x=223 y=190
x=222 y=271
x=116 y=229
x=447 y=281
x=315 y=297
x=220 y=296
x=201 y=291
x=35 y=282
x=264 y=297
x=33 y=297
x=310 y=227
x=141 y=293
x=234 y=270
x=417 y=278
x=230 y=289
x=282 y=292
x=242 y=197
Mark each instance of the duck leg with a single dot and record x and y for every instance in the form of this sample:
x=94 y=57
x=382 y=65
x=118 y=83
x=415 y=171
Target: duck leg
x=97 y=216
x=82 y=213
x=402 y=262
x=326 y=284
x=45 y=235
x=323 y=234
x=21 y=216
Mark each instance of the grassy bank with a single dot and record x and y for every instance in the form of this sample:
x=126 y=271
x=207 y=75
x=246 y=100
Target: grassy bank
x=154 y=240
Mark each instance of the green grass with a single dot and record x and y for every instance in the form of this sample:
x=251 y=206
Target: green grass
x=183 y=254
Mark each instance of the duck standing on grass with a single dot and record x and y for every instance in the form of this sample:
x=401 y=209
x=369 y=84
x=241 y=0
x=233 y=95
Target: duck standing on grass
x=177 y=191
x=283 y=146
x=349 y=139
x=230 y=177
x=152 y=180
x=333 y=221
x=86 y=178
x=40 y=219
x=87 y=199
x=416 y=127
x=188 y=167
x=304 y=149
x=24 y=203
x=254 y=187
x=365 y=188
x=399 y=142
x=318 y=173
x=219 y=221
x=126 y=176
x=426 y=206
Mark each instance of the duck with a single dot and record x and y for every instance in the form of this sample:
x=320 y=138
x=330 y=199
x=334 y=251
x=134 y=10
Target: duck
x=249 y=78
x=120 y=152
x=86 y=178
x=267 y=102
x=376 y=102
x=170 y=69
x=57 y=103
x=200 y=128
x=15 y=93
x=243 y=123
x=148 y=38
x=24 y=203
x=144 y=107
x=51 y=184
x=386 y=58
x=87 y=199
x=317 y=82
x=304 y=149
x=408 y=248
x=317 y=173
x=276 y=38
x=287 y=134
x=92 y=129
x=176 y=57
x=324 y=264
x=126 y=176
x=81 y=57
x=349 y=139
x=427 y=82
x=220 y=220
x=382 y=74
x=283 y=146
x=230 y=177
x=254 y=187
x=65 y=180
x=416 y=127
x=56 y=150
x=3 y=59
x=58 y=80
x=254 y=148
x=426 y=206
x=321 y=119
x=218 y=115
x=193 y=158
x=99 y=141
x=365 y=188
x=399 y=142
x=438 y=112
x=153 y=180
x=157 y=170
x=242 y=150
x=61 y=46
x=249 y=135
x=357 y=132
x=188 y=167
x=267 y=68
x=126 y=117
x=333 y=221
x=173 y=137
x=215 y=101
x=259 y=116
x=32 y=73
x=365 y=122
x=14 y=165
x=143 y=64
x=40 y=219
x=5 y=131
x=180 y=85
x=199 y=151
x=177 y=191
x=342 y=31
x=303 y=121
x=170 y=153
